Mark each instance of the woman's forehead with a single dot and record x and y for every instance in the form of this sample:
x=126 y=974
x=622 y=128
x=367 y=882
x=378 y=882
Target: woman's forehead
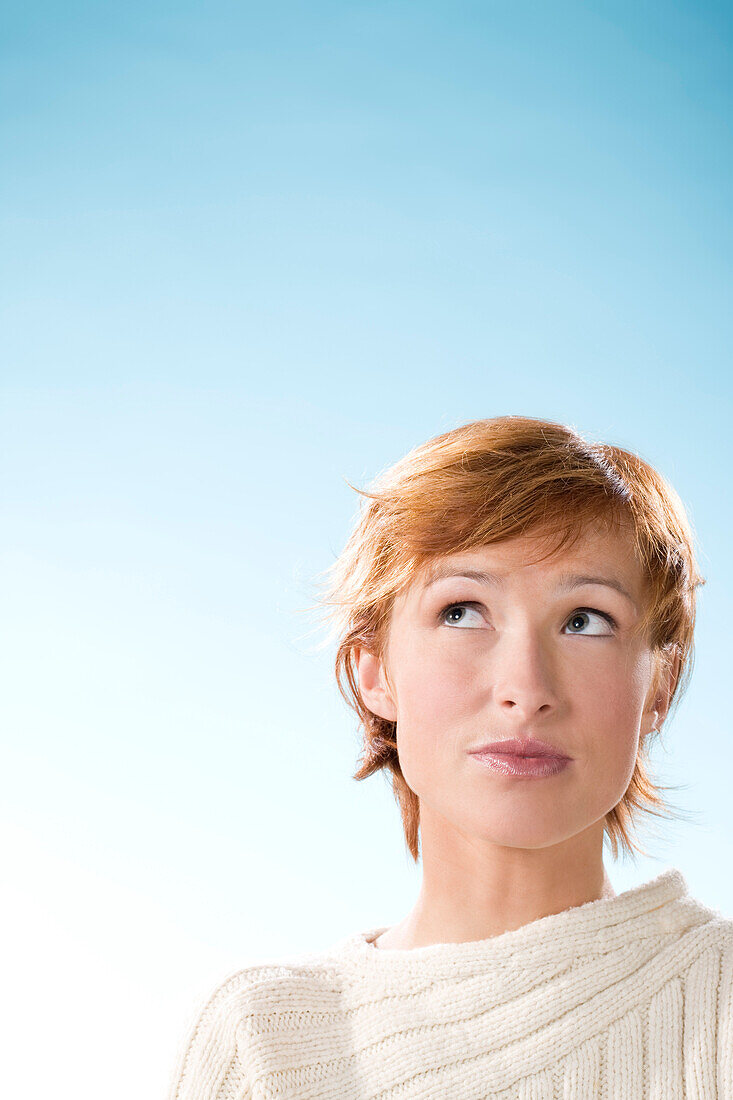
x=610 y=554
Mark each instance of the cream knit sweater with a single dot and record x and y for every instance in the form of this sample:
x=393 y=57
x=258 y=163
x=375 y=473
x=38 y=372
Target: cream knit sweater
x=624 y=997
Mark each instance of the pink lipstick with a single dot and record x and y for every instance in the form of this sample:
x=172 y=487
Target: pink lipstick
x=527 y=759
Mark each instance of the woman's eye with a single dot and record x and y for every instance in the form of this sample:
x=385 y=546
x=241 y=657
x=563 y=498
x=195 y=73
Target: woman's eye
x=455 y=615
x=598 y=621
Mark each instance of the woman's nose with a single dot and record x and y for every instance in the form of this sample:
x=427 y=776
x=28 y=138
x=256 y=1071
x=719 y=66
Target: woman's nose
x=523 y=679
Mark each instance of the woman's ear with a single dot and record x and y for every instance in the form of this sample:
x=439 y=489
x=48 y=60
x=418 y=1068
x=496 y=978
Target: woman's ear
x=373 y=686
x=660 y=695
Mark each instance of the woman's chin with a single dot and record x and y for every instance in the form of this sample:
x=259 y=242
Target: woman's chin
x=535 y=835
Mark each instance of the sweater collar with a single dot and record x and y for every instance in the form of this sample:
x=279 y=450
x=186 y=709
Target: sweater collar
x=660 y=905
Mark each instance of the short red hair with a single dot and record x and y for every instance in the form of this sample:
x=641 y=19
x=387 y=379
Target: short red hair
x=483 y=482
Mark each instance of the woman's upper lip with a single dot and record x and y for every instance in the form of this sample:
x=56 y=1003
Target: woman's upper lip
x=528 y=746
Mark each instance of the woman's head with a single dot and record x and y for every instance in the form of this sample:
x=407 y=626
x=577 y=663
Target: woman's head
x=532 y=646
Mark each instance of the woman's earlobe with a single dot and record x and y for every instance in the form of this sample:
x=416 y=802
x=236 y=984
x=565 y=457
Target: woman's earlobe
x=667 y=675
x=652 y=726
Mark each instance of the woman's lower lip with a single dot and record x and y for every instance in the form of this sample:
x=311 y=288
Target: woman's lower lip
x=524 y=767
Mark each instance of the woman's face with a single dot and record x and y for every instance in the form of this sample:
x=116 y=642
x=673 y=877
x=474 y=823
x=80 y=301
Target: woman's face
x=546 y=650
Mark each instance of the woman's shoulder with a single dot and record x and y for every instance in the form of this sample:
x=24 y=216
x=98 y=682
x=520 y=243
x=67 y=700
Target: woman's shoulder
x=709 y=928
x=255 y=1000
x=268 y=983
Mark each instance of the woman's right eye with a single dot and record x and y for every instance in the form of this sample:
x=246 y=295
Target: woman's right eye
x=454 y=615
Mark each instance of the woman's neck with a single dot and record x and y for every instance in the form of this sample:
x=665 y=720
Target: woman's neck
x=476 y=895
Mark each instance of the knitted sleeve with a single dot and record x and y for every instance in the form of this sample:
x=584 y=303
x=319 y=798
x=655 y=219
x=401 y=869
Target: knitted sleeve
x=725 y=1020
x=209 y=1065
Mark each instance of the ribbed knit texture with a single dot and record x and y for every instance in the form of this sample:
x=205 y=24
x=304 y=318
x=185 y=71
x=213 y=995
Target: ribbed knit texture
x=621 y=998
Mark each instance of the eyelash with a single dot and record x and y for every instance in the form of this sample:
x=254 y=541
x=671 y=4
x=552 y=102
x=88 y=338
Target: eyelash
x=593 y=611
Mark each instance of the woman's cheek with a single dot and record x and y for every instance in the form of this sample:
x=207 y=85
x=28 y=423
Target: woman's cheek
x=615 y=716
x=612 y=681
x=432 y=680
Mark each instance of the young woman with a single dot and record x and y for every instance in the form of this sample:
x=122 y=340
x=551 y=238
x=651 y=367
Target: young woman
x=514 y=612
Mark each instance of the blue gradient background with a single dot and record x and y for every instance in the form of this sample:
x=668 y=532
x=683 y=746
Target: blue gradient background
x=249 y=254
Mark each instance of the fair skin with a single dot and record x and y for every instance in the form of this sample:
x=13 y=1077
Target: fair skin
x=515 y=660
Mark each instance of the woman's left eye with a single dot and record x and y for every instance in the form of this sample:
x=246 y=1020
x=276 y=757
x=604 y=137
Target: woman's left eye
x=454 y=614
x=586 y=616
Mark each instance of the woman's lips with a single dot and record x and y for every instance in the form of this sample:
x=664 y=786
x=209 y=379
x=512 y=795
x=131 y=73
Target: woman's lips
x=526 y=758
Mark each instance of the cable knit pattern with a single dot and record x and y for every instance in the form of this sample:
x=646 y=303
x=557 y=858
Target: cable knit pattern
x=621 y=998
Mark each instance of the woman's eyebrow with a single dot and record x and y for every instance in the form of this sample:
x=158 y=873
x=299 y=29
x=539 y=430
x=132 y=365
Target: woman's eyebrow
x=576 y=580
x=438 y=573
x=566 y=583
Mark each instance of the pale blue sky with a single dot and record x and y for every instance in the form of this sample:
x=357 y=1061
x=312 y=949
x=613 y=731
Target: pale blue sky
x=249 y=254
